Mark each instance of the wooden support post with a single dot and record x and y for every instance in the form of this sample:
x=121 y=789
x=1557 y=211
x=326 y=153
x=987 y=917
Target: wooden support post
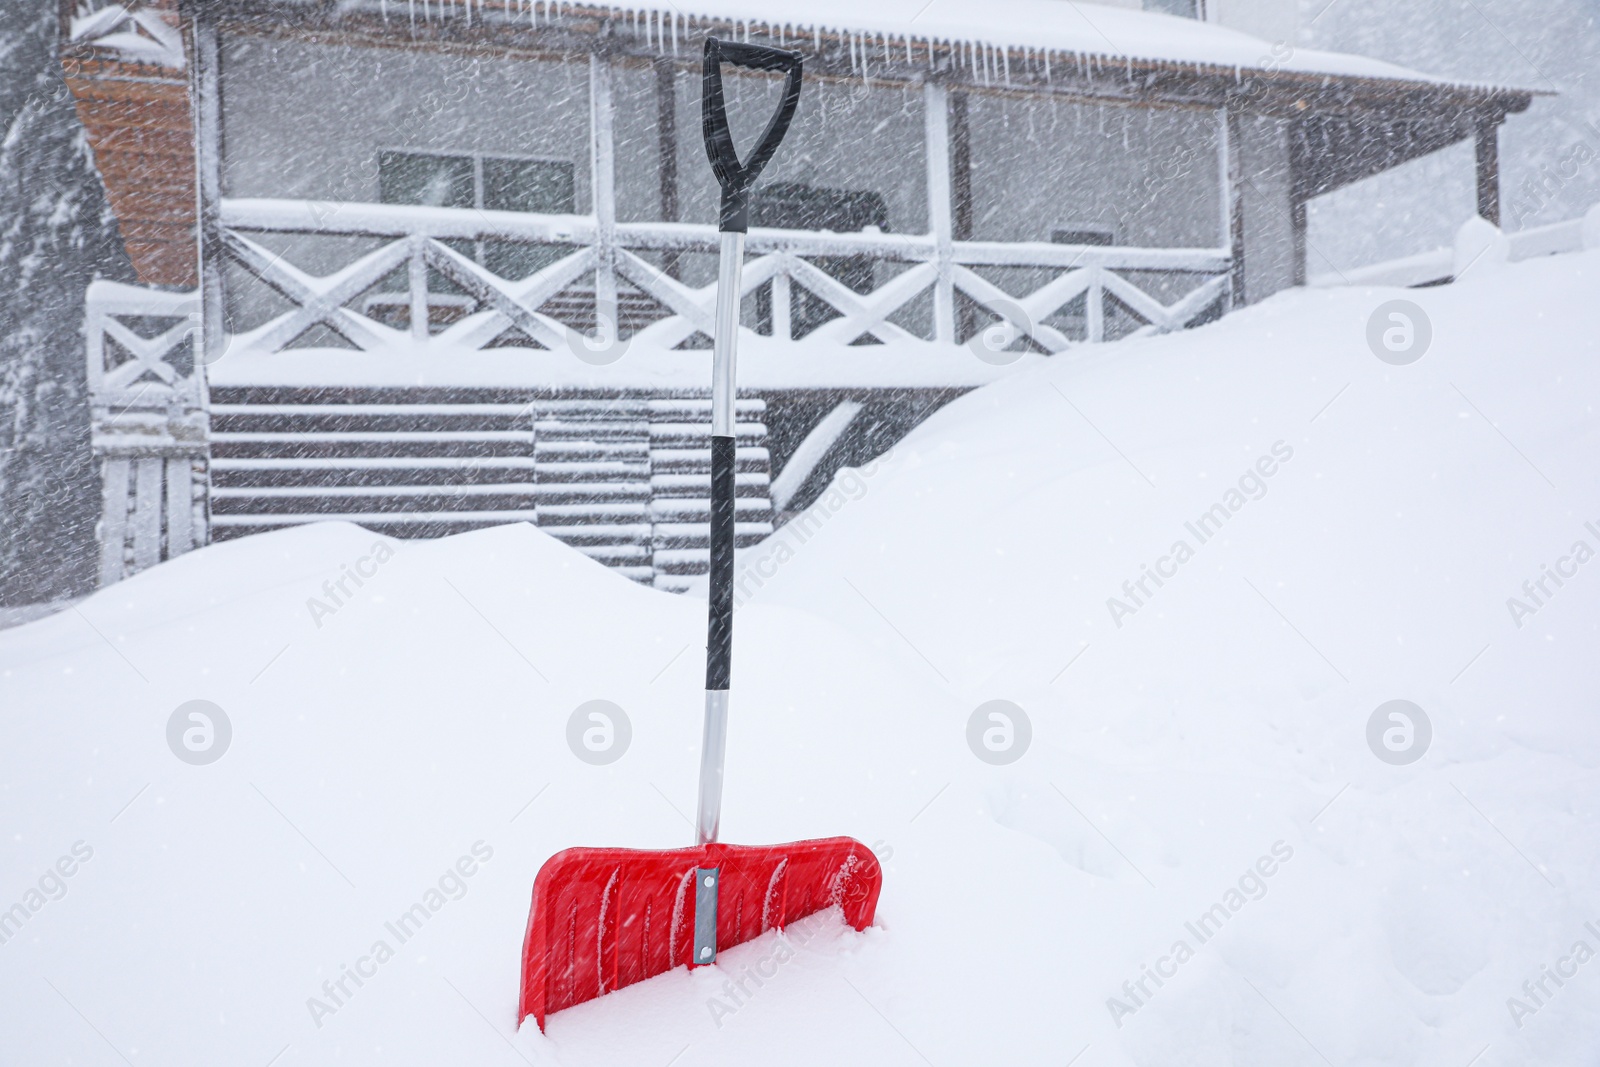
x=667 y=152
x=604 y=192
x=961 y=211
x=1233 y=194
x=936 y=140
x=1487 y=135
x=960 y=168
x=1300 y=187
x=214 y=338
x=208 y=189
x=1297 y=234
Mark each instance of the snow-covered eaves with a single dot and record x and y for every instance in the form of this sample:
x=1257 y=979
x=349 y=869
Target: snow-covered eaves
x=987 y=36
x=1066 y=27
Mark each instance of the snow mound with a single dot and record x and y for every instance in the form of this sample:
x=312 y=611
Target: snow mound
x=1197 y=860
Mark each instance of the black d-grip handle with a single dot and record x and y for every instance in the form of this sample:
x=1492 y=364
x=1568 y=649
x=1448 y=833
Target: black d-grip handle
x=737 y=178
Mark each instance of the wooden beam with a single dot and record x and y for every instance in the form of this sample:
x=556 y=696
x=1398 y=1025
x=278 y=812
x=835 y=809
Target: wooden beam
x=1487 y=134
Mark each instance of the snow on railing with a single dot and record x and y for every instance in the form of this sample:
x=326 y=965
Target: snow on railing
x=782 y=260
x=1477 y=241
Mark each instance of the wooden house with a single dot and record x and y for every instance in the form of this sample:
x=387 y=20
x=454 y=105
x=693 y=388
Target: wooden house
x=430 y=265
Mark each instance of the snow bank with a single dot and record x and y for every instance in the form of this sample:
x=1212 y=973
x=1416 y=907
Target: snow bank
x=1199 y=773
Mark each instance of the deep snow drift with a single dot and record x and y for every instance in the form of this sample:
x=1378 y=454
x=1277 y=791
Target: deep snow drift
x=1199 y=773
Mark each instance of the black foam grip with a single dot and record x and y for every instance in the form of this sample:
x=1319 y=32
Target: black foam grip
x=719 y=634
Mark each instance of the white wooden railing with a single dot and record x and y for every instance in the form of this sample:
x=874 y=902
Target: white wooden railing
x=1477 y=243
x=148 y=424
x=780 y=260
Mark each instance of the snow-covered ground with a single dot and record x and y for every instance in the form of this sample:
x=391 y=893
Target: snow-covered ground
x=1199 y=773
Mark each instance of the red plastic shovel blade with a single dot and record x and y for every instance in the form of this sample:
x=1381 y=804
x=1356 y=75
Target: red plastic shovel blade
x=603 y=918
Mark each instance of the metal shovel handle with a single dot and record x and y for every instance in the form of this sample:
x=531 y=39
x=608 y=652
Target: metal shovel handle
x=738 y=178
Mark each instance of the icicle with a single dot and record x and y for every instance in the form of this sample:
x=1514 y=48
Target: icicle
x=1005 y=62
x=1047 y=66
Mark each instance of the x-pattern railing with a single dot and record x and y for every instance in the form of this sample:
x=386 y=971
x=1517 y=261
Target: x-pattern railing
x=780 y=261
x=147 y=374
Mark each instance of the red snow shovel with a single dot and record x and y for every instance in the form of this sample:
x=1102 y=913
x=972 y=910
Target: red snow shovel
x=603 y=918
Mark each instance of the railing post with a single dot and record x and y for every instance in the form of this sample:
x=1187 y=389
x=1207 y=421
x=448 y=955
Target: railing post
x=936 y=137
x=604 y=189
x=782 y=297
x=417 y=286
x=1094 y=307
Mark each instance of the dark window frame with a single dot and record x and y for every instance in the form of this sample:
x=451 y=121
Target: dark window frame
x=1084 y=234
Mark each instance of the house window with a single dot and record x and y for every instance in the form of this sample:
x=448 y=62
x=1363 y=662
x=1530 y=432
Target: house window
x=799 y=206
x=492 y=183
x=1189 y=9
x=1083 y=235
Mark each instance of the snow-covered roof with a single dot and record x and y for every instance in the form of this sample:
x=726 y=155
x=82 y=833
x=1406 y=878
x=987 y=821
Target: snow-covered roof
x=1064 y=26
x=989 y=33
x=1068 y=28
